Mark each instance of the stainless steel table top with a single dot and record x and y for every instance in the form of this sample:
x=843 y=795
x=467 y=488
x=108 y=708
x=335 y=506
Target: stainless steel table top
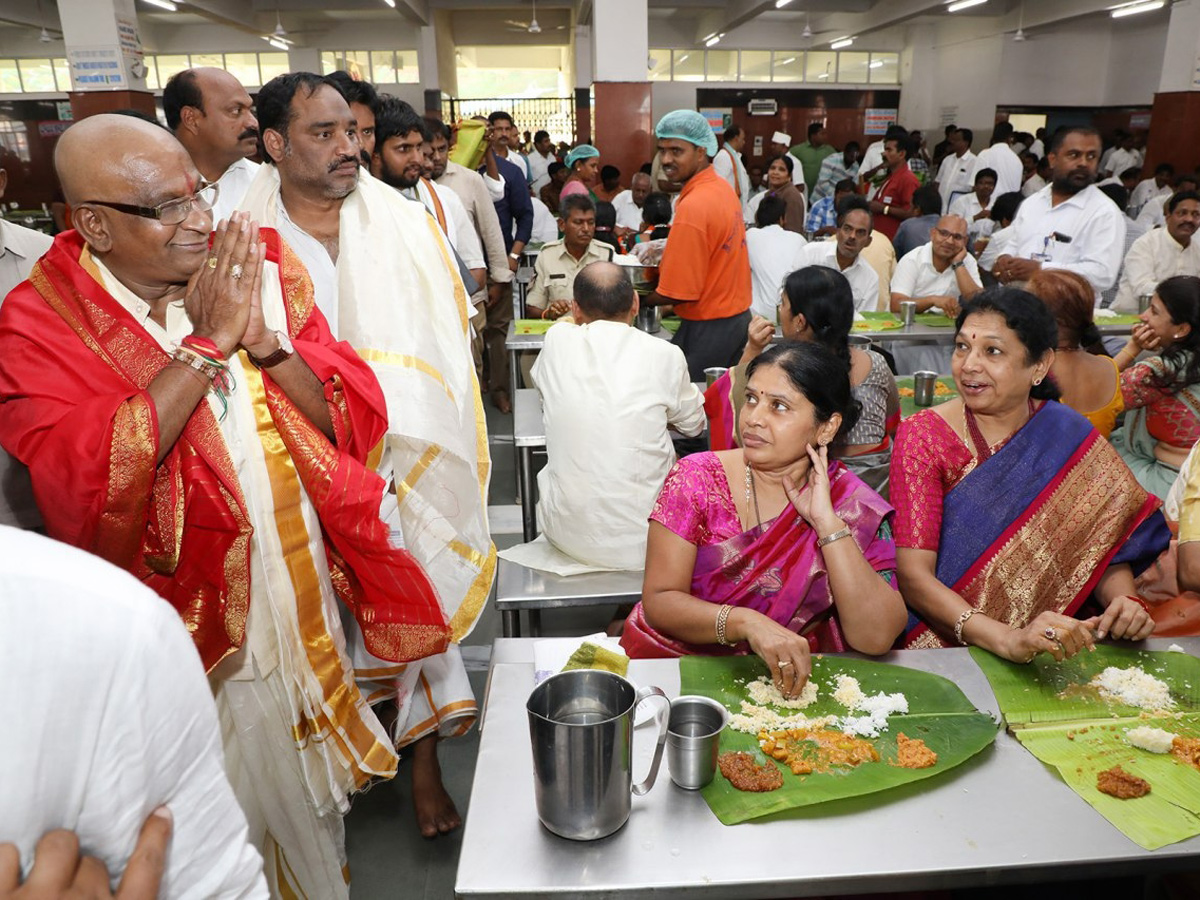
x=1001 y=817
x=519 y=587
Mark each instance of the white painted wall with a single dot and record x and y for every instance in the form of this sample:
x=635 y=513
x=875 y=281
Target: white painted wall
x=1135 y=61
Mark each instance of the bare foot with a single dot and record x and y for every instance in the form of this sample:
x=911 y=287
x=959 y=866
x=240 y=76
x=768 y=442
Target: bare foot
x=434 y=808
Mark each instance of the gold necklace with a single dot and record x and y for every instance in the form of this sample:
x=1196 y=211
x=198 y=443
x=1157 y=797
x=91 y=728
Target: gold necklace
x=752 y=494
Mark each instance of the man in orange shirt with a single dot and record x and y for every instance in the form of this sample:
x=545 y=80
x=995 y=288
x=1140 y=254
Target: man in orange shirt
x=705 y=268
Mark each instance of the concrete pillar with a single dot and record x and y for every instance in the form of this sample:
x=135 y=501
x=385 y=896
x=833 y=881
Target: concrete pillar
x=104 y=51
x=1175 y=118
x=619 y=47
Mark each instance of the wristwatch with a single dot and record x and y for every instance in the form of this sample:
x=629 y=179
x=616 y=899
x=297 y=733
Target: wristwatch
x=516 y=256
x=958 y=265
x=283 y=354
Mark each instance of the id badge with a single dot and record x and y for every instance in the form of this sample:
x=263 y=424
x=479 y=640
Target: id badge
x=1043 y=258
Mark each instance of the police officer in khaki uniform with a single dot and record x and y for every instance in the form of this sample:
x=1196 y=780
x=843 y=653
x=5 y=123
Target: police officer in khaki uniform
x=559 y=261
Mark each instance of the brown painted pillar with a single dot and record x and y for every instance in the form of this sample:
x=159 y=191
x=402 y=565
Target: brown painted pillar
x=89 y=103
x=624 y=132
x=1174 y=131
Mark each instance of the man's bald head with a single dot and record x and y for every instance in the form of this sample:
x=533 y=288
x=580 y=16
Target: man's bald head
x=956 y=224
x=640 y=186
x=116 y=158
x=603 y=291
x=112 y=159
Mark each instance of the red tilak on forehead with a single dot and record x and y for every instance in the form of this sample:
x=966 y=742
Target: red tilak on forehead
x=972 y=335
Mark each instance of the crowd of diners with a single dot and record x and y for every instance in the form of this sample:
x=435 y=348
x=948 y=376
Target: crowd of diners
x=250 y=371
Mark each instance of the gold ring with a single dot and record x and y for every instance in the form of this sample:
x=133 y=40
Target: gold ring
x=785 y=662
x=1051 y=633
x=235 y=271
x=212 y=262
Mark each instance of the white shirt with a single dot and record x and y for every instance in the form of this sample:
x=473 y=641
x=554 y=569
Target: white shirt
x=728 y=165
x=775 y=253
x=996 y=247
x=968 y=206
x=872 y=157
x=1154 y=256
x=1037 y=148
x=916 y=277
x=545 y=226
x=539 y=170
x=609 y=393
x=20 y=248
x=864 y=281
x=459 y=230
x=1006 y=164
x=797 y=170
x=1093 y=223
x=1154 y=213
x=320 y=266
x=1146 y=190
x=1123 y=159
x=629 y=214
x=233 y=186
x=108 y=715
x=1033 y=184
x=954 y=178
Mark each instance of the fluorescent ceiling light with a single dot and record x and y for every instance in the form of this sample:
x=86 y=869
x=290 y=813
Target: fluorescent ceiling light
x=790 y=59
x=878 y=64
x=276 y=43
x=684 y=57
x=391 y=3
x=780 y=4
x=714 y=39
x=1132 y=9
x=963 y=4
x=841 y=42
x=164 y=4
x=823 y=75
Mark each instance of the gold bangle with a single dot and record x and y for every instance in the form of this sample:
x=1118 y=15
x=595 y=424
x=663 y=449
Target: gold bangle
x=836 y=536
x=722 y=618
x=958 y=626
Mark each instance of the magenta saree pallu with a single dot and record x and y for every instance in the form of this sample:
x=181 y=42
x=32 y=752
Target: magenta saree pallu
x=1034 y=527
x=778 y=571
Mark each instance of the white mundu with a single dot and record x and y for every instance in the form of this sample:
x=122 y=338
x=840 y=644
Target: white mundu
x=107 y=715
x=609 y=392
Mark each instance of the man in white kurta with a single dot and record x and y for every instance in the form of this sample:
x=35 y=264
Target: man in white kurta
x=1001 y=158
x=108 y=716
x=609 y=394
x=954 y=176
x=976 y=207
x=435 y=452
x=1147 y=189
x=1069 y=224
x=728 y=164
x=1162 y=253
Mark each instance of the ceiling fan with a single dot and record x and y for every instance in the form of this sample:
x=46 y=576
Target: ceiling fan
x=532 y=26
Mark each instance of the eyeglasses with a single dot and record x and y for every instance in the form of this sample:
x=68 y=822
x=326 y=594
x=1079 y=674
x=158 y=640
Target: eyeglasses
x=950 y=235
x=173 y=212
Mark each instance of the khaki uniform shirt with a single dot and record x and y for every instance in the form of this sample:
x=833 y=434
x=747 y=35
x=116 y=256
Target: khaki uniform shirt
x=555 y=271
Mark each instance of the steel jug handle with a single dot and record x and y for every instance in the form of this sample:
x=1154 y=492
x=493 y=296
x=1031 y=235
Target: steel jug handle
x=662 y=717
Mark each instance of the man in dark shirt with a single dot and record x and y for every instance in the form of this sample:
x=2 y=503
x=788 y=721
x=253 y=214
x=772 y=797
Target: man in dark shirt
x=514 y=206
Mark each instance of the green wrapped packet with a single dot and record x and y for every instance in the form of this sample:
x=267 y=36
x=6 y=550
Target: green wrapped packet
x=593 y=656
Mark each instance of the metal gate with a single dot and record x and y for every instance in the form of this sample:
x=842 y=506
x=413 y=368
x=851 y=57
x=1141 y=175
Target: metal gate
x=533 y=114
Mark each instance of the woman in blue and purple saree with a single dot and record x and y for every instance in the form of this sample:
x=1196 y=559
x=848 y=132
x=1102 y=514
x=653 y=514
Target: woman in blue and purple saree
x=1018 y=527
x=770 y=548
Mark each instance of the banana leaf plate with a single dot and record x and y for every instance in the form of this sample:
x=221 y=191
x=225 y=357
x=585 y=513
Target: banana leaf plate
x=1070 y=727
x=939 y=714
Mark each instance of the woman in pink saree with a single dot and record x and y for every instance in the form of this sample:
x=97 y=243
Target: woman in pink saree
x=770 y=548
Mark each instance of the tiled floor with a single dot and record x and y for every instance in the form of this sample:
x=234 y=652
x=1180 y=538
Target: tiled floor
x=388 y=857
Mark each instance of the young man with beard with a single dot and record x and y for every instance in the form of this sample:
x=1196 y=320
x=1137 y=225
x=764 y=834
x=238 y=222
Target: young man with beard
x=398 y=159
x=1069 y=224
x=363 y=98
x=211 y=114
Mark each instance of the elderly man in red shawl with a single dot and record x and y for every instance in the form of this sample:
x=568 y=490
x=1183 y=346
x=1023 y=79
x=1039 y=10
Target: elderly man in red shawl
x=186 y=414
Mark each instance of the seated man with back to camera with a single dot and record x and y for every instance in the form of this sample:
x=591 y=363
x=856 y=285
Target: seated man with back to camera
x=610 y=392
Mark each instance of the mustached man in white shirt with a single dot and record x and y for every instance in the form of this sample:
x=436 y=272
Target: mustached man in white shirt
x=774 y=254
x=844 y=252
x=954 y=175
x=728 y=164
x=212 y=115
x=1162 y=253
x=628 y=204
x=1001 y=158
x=108 y=717
x=539 y=161
x=940 y=273
x=609 y=392
x=1069 y=224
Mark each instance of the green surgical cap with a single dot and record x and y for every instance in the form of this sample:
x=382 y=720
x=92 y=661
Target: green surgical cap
x=583 y=151
x=688 y=125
